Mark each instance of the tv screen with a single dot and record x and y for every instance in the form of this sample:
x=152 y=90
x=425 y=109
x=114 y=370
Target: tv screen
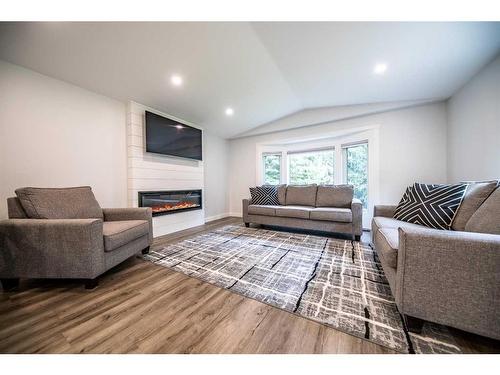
x=170 y=137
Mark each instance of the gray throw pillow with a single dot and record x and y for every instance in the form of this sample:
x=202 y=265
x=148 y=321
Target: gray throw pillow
x=59 y=203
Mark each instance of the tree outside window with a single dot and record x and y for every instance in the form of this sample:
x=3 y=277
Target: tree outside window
x=356 y=170
x=312 y=167
x=272 y=169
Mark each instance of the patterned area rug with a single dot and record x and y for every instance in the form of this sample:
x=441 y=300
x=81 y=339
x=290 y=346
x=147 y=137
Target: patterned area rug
x=336 y=282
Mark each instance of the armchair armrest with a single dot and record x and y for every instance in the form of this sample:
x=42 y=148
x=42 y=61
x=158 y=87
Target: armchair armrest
x=137 y=213
x=451 y=278
x=384 y=210
x=357 y=217
x=48 y=248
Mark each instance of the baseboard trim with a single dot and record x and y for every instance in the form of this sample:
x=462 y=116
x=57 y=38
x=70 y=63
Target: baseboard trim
x=217 y=217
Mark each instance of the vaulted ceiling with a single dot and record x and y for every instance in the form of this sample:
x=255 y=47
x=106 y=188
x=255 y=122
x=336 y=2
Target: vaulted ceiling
x=264 y=71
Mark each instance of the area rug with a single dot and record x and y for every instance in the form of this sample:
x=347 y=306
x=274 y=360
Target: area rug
x=339 y=283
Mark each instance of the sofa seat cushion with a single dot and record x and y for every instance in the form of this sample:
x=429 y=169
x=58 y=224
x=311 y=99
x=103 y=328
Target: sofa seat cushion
x=388 y=222
x=259 y=209
x=387 y=244
x=59 y=203
x=342 y=215
x=119 y=233
x=299 y=212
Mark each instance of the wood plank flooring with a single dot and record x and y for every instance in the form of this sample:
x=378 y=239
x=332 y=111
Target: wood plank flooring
x=139 y=307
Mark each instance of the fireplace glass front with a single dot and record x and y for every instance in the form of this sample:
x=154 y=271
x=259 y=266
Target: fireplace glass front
x=169 y=202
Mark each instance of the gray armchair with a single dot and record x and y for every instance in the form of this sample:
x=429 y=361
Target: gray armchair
x=49 y=234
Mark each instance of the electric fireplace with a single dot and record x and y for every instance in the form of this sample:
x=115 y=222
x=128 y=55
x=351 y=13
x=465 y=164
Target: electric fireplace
x=171 y=201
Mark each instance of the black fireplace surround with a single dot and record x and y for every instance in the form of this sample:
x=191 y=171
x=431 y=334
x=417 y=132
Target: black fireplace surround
x=171 y=201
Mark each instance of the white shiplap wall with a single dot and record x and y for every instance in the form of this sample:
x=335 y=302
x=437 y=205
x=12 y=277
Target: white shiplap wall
x=147 y=172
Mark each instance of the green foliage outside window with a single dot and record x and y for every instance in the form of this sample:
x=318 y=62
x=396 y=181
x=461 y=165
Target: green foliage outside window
x=311 y=167
x=272 y=169
x=357 y=171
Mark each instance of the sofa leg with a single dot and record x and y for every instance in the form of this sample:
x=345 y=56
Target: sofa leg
x=9 y=284
x=247 y=225
x=91 y=283
x=146 y=250
x=357 y=238
x=413 y=324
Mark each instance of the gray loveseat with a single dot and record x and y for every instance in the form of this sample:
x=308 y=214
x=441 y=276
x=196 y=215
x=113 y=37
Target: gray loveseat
x=322 y=208
x=64 y=233
x=451 y=277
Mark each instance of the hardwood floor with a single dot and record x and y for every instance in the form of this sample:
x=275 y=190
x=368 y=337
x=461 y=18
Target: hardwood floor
x=139 y=307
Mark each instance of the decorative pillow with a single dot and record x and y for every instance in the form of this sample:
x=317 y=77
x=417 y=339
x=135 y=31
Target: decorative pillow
x=265 y=195
x=59 y=203
x=433 y=206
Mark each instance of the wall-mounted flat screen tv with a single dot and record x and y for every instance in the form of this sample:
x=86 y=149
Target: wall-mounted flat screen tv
x=170 y=137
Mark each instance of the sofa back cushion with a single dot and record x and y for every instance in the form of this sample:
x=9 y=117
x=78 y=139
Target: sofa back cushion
x=282 y=194
x=339 y=196
x=301 y=195
x=59 y=203
x=475 y=195
x=486 y=219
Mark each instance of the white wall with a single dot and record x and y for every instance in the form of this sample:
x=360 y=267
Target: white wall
x=56 y=134
x=412 y=144
x=216 y=160
x=474 y=127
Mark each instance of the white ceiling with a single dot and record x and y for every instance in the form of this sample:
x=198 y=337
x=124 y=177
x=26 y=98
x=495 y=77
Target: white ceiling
x=264 y=71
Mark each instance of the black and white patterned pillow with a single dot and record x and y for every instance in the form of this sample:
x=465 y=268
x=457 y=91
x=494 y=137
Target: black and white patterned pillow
x=434 y=206
x=265 y=195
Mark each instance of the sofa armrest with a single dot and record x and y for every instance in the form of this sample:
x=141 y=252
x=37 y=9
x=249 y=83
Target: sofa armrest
x=47 y=248
x=384 y=210
x=134 y=213
x=357 y=217
x=451 y=278
x=245 y=204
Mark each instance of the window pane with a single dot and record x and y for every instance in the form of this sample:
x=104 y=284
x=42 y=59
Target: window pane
x=311 y=167
x=272 y=168
x=357 y=171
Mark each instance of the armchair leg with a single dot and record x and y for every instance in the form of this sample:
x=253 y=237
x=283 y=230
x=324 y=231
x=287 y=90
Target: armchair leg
x=91 y=283
x=146 y=250
x=9 y=284
x=247 y=225
x=414 y=325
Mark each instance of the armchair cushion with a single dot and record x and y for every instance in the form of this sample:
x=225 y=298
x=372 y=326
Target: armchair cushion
x=119 y=233
x=59 y=203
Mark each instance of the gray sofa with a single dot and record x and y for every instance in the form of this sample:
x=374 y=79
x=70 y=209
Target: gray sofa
x=451 y=277
x=64 y=233
x=322 y=208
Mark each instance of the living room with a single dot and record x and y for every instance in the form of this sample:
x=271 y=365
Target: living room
x=204 y=187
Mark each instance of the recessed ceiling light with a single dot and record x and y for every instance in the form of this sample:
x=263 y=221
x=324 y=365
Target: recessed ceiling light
x=380 y=68
x=229 y=112
x=176 y=80
x=179 y=126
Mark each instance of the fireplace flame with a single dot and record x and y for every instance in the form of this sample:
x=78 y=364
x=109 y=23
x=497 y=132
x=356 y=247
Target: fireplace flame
x=173 y=207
